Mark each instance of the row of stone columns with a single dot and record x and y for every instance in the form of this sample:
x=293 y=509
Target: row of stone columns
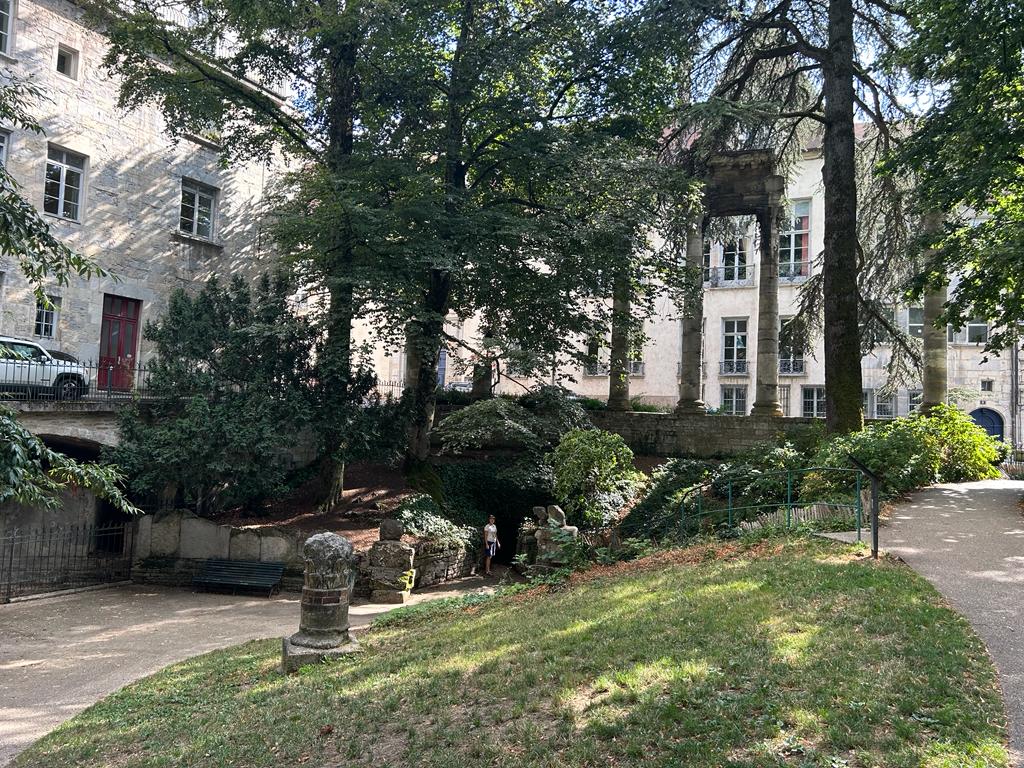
x=766 y=392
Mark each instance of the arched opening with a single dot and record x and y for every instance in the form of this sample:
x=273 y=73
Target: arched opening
x=990 y=421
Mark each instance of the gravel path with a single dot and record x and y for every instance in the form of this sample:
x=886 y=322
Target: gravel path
x=58 y=655
x=968 y=540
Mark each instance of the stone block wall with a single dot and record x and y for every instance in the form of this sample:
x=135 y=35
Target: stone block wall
x=704 y=436
x=435 y=563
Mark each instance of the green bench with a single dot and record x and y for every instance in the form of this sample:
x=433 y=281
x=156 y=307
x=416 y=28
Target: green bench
x=239 y=574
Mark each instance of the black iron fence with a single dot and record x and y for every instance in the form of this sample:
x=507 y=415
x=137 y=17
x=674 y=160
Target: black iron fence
x=68 y=379
x=64 y=557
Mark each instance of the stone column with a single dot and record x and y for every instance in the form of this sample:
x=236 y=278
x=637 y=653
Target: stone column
x=391 y=565
x=618 y=367
x=323 y=620
x=691 y=326
x=766 y=393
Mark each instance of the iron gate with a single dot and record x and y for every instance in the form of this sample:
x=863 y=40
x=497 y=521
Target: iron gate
x=39 y=560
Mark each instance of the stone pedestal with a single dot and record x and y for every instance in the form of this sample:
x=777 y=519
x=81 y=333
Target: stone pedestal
x=323 y=621
x=391 y=565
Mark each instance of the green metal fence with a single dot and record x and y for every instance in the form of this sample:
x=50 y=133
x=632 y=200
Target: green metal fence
x=773 y=498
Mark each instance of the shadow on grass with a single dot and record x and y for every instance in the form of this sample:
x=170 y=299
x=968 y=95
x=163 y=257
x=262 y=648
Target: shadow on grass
x=803 y=658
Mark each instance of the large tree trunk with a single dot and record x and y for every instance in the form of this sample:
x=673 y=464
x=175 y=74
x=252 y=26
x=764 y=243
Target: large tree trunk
x=483 y=370
x=618 y=369
x=691 y=324
x=843 y=381
x=934 y=356
x=428 y=330
x=336 y=360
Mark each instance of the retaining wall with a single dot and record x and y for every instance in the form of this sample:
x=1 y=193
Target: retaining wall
x=701 y=435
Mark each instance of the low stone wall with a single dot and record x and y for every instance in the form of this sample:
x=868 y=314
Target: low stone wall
x=170 y=548
x=704 y=436
x=435 y=563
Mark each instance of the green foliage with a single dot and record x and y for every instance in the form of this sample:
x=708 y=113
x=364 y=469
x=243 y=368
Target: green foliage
x=593 y=475
x=498 y=422
x=232 y=383
x=422 y=518
x=757 y=476
x=943 y=446
x=657 y=513
x=470 y=491
x=32 y=474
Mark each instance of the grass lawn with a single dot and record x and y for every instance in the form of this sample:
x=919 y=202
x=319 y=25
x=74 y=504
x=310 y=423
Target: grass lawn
x=785 y=652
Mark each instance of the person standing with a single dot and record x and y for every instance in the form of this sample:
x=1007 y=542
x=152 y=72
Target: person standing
x=491 y=543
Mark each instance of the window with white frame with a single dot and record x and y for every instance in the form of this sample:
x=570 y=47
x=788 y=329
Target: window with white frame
x=988 y=385
x=734 y=401
x=977 y=332
x=198 y=210
x=592 y=362
x=67 y=61
x=885 y=406
x=813 y=402
x=915 y=322
x=5 y=139
x=794 y=243
x=707 y=261
x=47 y=316
x=6 y=25
x=791 y=348
x=636 y=363
x=784 y=390
x=734 y=346
x=734 y=260
x=65 y=177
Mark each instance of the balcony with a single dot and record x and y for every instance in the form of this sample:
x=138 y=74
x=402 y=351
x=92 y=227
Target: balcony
x=794 y=271
x=733 y=368
x=791 y=366
x=729 y=277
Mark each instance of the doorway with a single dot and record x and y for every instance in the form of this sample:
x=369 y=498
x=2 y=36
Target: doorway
x=119 y=336
x=990 y=421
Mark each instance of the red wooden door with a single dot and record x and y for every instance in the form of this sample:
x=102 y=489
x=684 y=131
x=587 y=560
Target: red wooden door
x=119 y=335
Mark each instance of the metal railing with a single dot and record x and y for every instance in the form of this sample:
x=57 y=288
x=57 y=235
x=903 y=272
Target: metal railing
x=791 y=366
x=729 y=277
x=733 y=368
x=33 y=561
x=794 y=271
x=63 y=379
x=773 y=498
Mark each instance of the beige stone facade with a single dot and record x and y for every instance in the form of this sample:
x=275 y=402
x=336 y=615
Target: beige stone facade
x=130 y=203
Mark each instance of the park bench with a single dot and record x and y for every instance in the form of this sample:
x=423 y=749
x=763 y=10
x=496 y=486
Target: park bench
x=239 y=574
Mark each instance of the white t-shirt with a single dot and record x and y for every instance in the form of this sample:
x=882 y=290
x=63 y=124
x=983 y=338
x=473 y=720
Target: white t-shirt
x=490 y=532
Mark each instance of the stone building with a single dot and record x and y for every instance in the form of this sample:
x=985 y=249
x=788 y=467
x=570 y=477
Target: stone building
x=983 y=385
x=155 y=214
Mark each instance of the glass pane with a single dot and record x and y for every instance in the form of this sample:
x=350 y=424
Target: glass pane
x=55 y=154
x=75 y=161
x=51 y=193
x=5 y=25
x=72 y=191
x=977 y=334
x=188 y=210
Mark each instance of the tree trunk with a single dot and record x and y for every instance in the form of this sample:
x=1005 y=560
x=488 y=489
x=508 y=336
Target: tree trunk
x=691 y=368
x=336 y=361
x=843 y=383
x=429 y=329
x=618 y=373
x=483 y=371
x=934 y=356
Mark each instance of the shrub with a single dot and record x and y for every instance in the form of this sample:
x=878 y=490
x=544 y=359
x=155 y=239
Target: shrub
x=593 y=475
x=422 y=518
x=758 y=476
x=908 y=453
x=657 y=513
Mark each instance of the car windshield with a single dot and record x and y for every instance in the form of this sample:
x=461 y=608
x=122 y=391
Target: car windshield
x=12 y=350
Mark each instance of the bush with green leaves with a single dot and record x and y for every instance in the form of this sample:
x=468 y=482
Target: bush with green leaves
x=594 y=476
x=758 y=476
x=944 y=445
x=657 y=513
x=422 y=517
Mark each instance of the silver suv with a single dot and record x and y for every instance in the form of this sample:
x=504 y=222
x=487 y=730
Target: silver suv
x=27 y=368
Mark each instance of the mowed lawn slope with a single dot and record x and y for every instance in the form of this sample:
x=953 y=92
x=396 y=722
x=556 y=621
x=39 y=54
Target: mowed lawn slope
x=787 y=652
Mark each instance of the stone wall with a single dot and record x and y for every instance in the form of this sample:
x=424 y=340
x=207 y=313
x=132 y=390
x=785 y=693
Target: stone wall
x=705 y=436
x=75 y=506
x=171 y=546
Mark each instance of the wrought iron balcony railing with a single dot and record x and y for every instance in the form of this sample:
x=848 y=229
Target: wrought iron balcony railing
x=733 y=368
x=791 y=366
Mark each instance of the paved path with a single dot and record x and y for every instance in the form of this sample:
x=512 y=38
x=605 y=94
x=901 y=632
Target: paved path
x=968 y=540
x=59 y=655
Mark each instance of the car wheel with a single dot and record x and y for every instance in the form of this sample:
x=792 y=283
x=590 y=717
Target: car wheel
x=69 y=389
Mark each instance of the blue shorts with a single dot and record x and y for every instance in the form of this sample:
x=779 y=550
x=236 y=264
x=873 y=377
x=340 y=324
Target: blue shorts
x=490 y=549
